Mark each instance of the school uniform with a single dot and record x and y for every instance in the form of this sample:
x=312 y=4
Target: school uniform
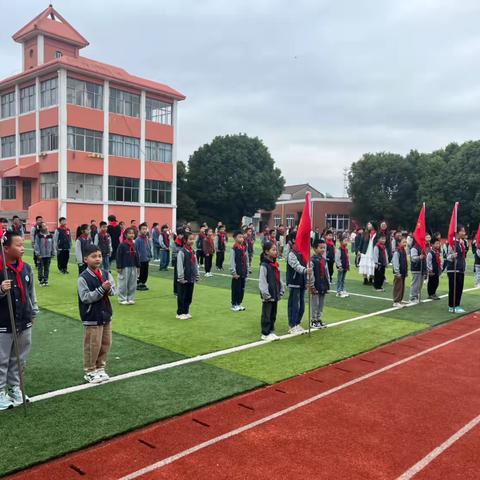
x=476 y=265
x=456 y=273
x=18 y=229
x=320 y=283
x=62 y=240
x=177 y=246
x=80 y=248
x=115 y=233
x=342 y=260
x=208 y=251
x=164 y=240
x=400 y=272
x=144 y=251
x=330 y=255
x=104 y=242
x=239 y=267
x=199 y=248
x=380 y=257
x=33 y=235
x=156 y=243
x=96 y=315
x=127 y=264
x=188 y=275
x=45 y=250
x=434 y=269
x=250 y=242
x=271 y=291
x=24 y=311
x=418 y=268
x=93 y=232
x=296 y=282
x=220 y=245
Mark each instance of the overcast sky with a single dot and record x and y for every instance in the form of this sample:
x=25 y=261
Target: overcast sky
x=321 y=82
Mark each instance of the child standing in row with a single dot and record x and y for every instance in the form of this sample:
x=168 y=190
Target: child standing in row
x=20 y=286
x=177 y=246
x=164 y=240
x=419 y=269
x=380 y=257
x=220 y=246
x=319 y=283
x=103 y=241
x=330 y=252
x=271 y=290
x=188 y=275
x=239 y=271
x=250 y=242
x=95 y=286
x=434 y=269
x=45 y=250
x=127 y=266
x=400 y=272
x=342 y=259
x=63 y=243
x=144 y=251
x=83 y=240
x=456 y=271
x=208 y=251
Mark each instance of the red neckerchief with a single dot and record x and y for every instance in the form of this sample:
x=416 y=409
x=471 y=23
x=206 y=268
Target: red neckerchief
x=322 y=266
x=210 y=241
x=113 y=224
x=103 y=234
x=273 y=240
x=84 y=236
x=178 y=242
x=222 y=238
x=190 y=251
x=437 y=257
x=17 y=271
x=344 y=249
x=276 y=269
x=242 y=248
x=131 y=247
x=381 y=246
x=165 y=238
x=462 y=246
x=64 y=227
x=16 y=228
x=330 y=244
x=98 y=274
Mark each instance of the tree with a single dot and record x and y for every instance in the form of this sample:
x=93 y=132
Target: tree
x=186 y=208
x=232 y=177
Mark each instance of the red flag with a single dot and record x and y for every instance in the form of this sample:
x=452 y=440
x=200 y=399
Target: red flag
x=302 y=241
x=452 y=229
x=478 y=236
x=421 y=230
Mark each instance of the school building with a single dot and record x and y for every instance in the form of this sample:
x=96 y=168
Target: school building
x=332 y=212
x=83 y=139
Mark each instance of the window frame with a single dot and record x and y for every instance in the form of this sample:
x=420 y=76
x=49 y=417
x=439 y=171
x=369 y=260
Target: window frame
x=9 y=189
x=28 y=143
x=84 y=94
x=28 y=102
x=124 y=103
x=78 y=138
x=121 y=146
x=11 y=144
x=7 y=105
x=164 y=109
x=87 y=183
x=154 y=190
x=158 y=151
x=48 y=189
x=123 y=184
x=49 y=93
x=52 y=139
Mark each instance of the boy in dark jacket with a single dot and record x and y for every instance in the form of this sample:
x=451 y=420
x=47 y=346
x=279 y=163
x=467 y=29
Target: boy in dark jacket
x=208 y=251
x=128 y=266
x=239 y=271
x=456 y=271
x=104 y=242
x=115 y=232
x=188 y=275
x=330 y=252
x=319 y=283
x=400 y=272
x=62 y=240
x=164 y=240
x=434 y=269
x=45 y=250
x=380 y=257
x=220 y=246
x=342 y=259
x=144 y=251
x=95 y=286
x=177 y=246
x=83 y=240
x=20 y=286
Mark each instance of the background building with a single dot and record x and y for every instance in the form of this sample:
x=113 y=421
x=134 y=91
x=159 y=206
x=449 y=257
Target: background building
x=326 y=211
x=83 y=139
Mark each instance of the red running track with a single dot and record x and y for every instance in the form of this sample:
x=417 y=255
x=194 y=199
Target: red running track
x=373 y=416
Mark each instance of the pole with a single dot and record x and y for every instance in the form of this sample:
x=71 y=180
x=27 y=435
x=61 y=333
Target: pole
x=14 y=332
x=309 y=279
x=454 y=282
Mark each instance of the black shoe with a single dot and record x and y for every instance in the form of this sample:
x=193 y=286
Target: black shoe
x=365 y=281
x=145 y=288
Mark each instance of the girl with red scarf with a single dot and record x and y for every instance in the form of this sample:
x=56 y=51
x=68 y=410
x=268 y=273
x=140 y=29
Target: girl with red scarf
x=434 y=268
x=342 y=259
x=271 y=290
x=380 y=257
x=177 y=246
x=239 y=271
x=331 y=251
x=83 y=240
x=188 y=275
x=208 y=251
x=128 y=267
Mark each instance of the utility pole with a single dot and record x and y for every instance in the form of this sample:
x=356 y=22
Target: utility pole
x=346 y=171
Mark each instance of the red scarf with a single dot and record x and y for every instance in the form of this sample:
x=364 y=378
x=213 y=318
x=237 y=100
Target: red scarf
x=322 y=266
x=131 y=247
x=344 y=249
x=222 y=238
x=166 y=239
x=98 y=274
x=64 y=227
x=276 y=269
x=190 y=251
x=16 y=228
x=84 y=236
x=17 y=271
x=178 y=242
x=372 y=233
x=243 y=248
x=381 y=246
x=210 y=241
x=113 y=224
x=462 y=246
x=437 y=257
x=330 y=244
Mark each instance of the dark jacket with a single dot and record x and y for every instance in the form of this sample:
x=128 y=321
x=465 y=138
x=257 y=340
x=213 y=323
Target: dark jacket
x=239 y=261
x=63 y=239
x=320 y=279
x=271 y=287
x=125 y=258
x=187 y=268
x=143 y=248
x=296 y=270
x=114 y=231
x=458 y=265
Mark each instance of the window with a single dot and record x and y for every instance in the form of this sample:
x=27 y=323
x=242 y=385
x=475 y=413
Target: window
x=8 y=146
x=277 y=220
x=124 y=103
x=27 y=99
x=27 y=143
x=158 y=152
x=338 y=222
x=48 y=185
x=8 y=104
x=83 y=186
x=290 y=221
x=58 y=54
x=9 y=189
x=85 y=140
x=48 y=93
x=85 y=94
x=157 y=191
x=121 y=146
x=159 y=112
x=48 y=139
x=122 y=189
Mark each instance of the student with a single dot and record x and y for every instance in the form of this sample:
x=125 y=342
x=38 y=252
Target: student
x=144 y=251
x=296 y=283
x=434 y=269
x=62 y=240
x=45 y=250
x=280 y=238
x=114 y=230
x=83 y=240
x=95 y=286
x=133 y=225
x=418 y=267
x=358 y=245
x=208 y=251
x=17 y=226
x=331 y=250
x=383 y=230
x=456 y=271
x=103 y=241
x=400 y=272
x=33 y=235
x=380 y=257
x=188 y=275
x=164 y=240
x=156 y=241
x=93 y=229
x=271 y=290
x=177 y=246
x=250 y=242
x=319 y=283
x=239 y=271
x=476 y=267
x=342 y=259
x=122 y=232
x=20 y=286
x=200 y=254
x=366 y=265
x=128 y=265
x=220 y=246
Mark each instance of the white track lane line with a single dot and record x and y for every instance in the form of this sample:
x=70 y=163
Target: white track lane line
x=411 y=472
x=308 y=401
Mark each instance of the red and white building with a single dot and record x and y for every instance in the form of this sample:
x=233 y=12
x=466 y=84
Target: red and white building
x=83 y=139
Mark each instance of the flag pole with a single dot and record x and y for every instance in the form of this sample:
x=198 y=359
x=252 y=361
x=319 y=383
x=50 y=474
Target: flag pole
x=309 y=273
x=421 y=266
x=14 y=330
x=455 y=260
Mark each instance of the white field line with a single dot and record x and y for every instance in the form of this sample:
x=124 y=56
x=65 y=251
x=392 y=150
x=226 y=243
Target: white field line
x=292 y=408
x=411 y=472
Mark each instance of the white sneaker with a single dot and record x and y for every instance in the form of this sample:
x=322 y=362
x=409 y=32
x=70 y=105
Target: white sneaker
x=178 y=317
x=300 y=329
x=184 y=317
x=235 y=308
x=102 y=374
x=345 y=294
x=131 y=302
x=123 y=302
x=413 y=302
x=273 y=336
x=397 y=304
x=188 y=315
x=5 y=401
x=15 y=395
x=266 y=338
x=241 y=308
x=92 y=377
